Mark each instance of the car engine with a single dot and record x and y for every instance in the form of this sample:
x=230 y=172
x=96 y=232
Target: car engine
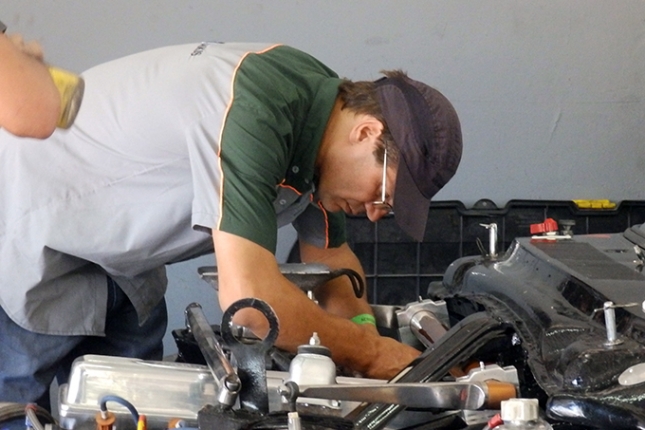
x=557 y=318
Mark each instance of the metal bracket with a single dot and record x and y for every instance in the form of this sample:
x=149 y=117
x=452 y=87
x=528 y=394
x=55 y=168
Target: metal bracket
x=251 y=357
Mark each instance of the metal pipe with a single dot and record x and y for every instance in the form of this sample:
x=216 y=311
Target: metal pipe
x=492 y=239
x=610 y=323
x=442 y=395
x=223 y=372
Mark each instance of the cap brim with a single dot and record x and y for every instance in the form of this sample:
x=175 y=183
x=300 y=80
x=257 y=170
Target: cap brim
x=410 y=206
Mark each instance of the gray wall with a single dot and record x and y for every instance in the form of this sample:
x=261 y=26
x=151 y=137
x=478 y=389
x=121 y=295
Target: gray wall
x=550 y=93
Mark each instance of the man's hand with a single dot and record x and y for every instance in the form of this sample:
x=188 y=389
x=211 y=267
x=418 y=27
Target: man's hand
x=396 y=355
x=337 y=297
x=245 y=269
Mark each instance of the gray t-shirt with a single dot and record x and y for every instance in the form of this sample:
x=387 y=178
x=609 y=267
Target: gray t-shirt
x=137 y=182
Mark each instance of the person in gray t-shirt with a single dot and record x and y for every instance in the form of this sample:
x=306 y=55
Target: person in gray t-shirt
x=186 y=149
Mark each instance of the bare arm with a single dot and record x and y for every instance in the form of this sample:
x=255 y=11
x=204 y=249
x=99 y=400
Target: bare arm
x=29 y=101
x=245 y=269
x=337 y=295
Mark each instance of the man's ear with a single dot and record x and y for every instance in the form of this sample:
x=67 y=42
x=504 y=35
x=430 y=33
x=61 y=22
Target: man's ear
x=366 y=128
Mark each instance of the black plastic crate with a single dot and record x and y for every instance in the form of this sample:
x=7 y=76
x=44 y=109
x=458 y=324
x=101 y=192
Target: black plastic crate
x=398 y=269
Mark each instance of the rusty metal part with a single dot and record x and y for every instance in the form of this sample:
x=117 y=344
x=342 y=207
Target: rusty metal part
x=251 y=357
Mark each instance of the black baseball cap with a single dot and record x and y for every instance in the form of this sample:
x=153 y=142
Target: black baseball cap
x=426 y=130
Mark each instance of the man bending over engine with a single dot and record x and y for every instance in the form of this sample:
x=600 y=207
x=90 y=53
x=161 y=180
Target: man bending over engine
x=185 y=149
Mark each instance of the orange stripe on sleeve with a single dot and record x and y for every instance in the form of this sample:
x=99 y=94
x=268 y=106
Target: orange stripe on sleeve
x=282 y=185
x=326 y=225
x=221 y=132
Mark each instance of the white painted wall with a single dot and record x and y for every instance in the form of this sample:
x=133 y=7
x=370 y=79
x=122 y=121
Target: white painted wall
x=550 y=92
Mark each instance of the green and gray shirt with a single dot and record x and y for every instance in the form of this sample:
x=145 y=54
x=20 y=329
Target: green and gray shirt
x=168 y=144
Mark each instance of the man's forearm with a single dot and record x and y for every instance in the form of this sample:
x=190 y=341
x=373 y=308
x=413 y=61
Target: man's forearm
x=354 y=346
x=248 y=270
x=29 y=100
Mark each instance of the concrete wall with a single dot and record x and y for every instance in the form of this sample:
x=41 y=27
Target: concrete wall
x=550 y=92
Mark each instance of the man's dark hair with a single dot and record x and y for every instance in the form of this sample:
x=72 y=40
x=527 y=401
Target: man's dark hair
x=360 y=97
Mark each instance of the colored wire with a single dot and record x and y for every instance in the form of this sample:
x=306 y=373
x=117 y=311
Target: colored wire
x=122 y=402
x=143 y=423
x=30 y=412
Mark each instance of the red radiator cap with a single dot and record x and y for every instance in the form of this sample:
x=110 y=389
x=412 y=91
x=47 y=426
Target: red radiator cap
x=547 y=226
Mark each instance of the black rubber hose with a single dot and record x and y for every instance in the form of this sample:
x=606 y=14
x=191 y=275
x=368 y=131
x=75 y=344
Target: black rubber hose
x=358 y=284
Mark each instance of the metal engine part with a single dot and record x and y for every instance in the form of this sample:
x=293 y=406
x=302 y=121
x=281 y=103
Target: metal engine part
x=555 y=319
x=578 y=332
x=425 y=321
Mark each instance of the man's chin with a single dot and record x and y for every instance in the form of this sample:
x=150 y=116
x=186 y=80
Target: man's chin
x=333 y=207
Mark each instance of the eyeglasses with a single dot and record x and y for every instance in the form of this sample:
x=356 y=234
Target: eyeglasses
x=382 y=204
